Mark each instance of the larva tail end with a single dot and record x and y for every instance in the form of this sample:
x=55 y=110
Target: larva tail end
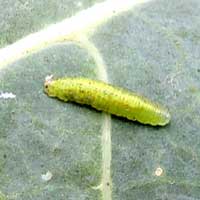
x=48 y=81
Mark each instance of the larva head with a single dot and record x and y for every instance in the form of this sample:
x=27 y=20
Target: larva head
x=49 y=88
x=163 y=117
x=153 y=114
x=159 y=115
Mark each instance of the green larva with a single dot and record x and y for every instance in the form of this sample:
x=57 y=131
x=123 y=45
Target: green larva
x=108 y=98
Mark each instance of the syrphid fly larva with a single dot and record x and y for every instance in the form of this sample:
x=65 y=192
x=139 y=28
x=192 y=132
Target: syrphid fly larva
x=108 y=98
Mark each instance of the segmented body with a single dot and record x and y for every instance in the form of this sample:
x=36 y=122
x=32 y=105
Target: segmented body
x=108 y=98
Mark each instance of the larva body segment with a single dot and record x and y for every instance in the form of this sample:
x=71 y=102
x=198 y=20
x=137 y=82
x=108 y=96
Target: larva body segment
x=108 y=98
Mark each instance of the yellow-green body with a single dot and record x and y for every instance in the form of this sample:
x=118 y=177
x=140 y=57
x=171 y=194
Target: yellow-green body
x=108 y=98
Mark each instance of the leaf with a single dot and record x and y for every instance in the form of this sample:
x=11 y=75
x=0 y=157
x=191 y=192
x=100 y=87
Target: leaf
x=55 y=150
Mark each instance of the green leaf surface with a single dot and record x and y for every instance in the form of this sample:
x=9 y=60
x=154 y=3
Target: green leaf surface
x=55 y=150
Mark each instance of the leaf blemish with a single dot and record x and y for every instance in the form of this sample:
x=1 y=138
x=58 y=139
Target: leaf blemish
x=7 y=95
x=159 y=171
x=47 y=177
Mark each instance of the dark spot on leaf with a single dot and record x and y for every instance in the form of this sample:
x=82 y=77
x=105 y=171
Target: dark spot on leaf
x=56 y=151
